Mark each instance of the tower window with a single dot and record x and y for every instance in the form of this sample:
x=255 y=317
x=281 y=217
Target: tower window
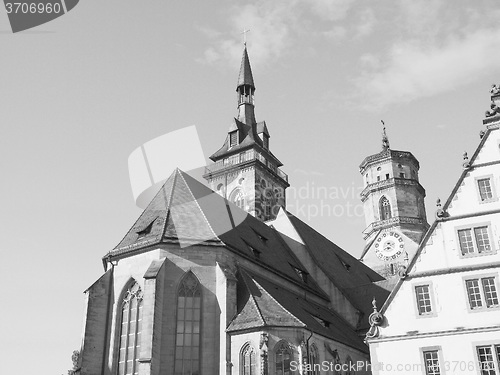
x=233 y=138
x=402 y=175
x=385 y=209
x=187 y=343
x=387 y=176
x=237 y=198
x=378 y=178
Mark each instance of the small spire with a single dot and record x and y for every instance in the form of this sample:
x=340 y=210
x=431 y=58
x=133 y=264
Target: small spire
x=245 y=77
x=385 y=138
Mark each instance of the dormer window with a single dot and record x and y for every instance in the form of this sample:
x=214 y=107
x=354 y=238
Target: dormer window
x=266 y=142
x=233 y=138
x=301 y=273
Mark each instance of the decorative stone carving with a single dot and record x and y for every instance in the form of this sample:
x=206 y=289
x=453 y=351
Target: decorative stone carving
x=495 y=89
x=466 y=163
x=263 y=346
x=440 y=213
x=375 y=319
x=493 y=110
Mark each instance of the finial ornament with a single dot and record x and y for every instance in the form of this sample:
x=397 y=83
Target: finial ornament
x=495 y=89
x=385 y=138
x=466 y=163
x=440 y=213
x=375 y=319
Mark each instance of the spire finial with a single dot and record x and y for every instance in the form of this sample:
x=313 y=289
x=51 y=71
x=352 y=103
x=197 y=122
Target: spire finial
x=244 y=32
x=385 y=138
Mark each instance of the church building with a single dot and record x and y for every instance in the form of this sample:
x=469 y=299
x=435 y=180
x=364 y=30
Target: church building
x=223 y=280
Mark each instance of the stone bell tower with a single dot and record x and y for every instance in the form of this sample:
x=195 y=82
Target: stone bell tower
x=393 y=201
x=245 y=170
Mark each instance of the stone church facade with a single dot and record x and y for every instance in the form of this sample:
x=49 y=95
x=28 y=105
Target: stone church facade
x=223 y=280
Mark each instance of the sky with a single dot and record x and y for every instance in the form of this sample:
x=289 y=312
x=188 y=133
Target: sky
x=79 y=94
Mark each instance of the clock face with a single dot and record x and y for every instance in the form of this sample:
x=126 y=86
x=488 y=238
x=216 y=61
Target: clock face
x=389 y=246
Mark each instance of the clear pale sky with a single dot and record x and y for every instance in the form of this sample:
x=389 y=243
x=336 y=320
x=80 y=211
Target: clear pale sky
x=79 y=94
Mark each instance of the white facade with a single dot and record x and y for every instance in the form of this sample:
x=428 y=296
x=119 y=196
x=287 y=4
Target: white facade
x=443 y=317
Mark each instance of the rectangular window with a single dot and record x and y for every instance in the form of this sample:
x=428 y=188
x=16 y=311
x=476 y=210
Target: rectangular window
x=482 y=293
x=387 y=176
x=401 y=175
x=431 y=361
x=474 y=240
x=489 y=358
x=233 y=139
x=485 y=190
x=423 y=299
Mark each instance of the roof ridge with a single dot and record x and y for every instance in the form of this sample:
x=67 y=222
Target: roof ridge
x=279 y=304
x=167 y=216
x=198 y=205
x=252 y=296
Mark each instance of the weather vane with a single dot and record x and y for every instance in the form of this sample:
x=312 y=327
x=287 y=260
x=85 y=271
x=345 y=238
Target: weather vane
x=244 y=32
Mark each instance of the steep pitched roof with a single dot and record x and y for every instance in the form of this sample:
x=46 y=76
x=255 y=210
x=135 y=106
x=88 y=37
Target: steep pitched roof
x=245 y=77
x=354 y=279
x=262 y=303
x=187 y=212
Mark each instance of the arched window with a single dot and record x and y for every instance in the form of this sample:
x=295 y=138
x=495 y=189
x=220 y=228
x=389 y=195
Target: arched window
x=130 y=331
x=314 y=360
x=187 y=343
x=348 y=365
x=385 y=209
x=237 y=198
x=283 y=358
x=248 y=360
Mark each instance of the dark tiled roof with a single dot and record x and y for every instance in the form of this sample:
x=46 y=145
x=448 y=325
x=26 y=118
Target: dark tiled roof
x=354 y=279
x=187 y=211
x=245 y=77
x=262 y=303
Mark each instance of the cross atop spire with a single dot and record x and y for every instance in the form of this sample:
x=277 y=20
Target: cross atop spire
x=385 y=138
x=244 y=32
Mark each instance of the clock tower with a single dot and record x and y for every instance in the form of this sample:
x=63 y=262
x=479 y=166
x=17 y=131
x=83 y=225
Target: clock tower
x=393 y=201
x=245 y=170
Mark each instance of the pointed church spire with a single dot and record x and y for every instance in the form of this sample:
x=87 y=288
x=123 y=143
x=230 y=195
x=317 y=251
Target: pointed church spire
x=385 y=138
x=246 y=90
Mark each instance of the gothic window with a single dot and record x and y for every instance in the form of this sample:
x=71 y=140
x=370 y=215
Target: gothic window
x=283 y=359
x=237 y=198
x=349 y=366
x=130 y=331
x=187 y=343
x=248 y=360
x=314 y=360
x=385 y=209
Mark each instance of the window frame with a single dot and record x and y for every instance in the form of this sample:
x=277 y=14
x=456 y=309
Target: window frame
x=494 y=197
x=139 y=295
x=487 y=343
x=475 y=253
x=427 y=349
x=433 y=311
x=278 y=346
x=248 y=345
x=200 y=336
x=480 y=277
x=235 y=133
x=383 y=199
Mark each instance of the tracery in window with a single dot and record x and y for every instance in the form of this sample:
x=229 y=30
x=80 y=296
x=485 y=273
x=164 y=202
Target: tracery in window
x=187 y=343
x=248 y=360
x=283 y=358
x=130 y=331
